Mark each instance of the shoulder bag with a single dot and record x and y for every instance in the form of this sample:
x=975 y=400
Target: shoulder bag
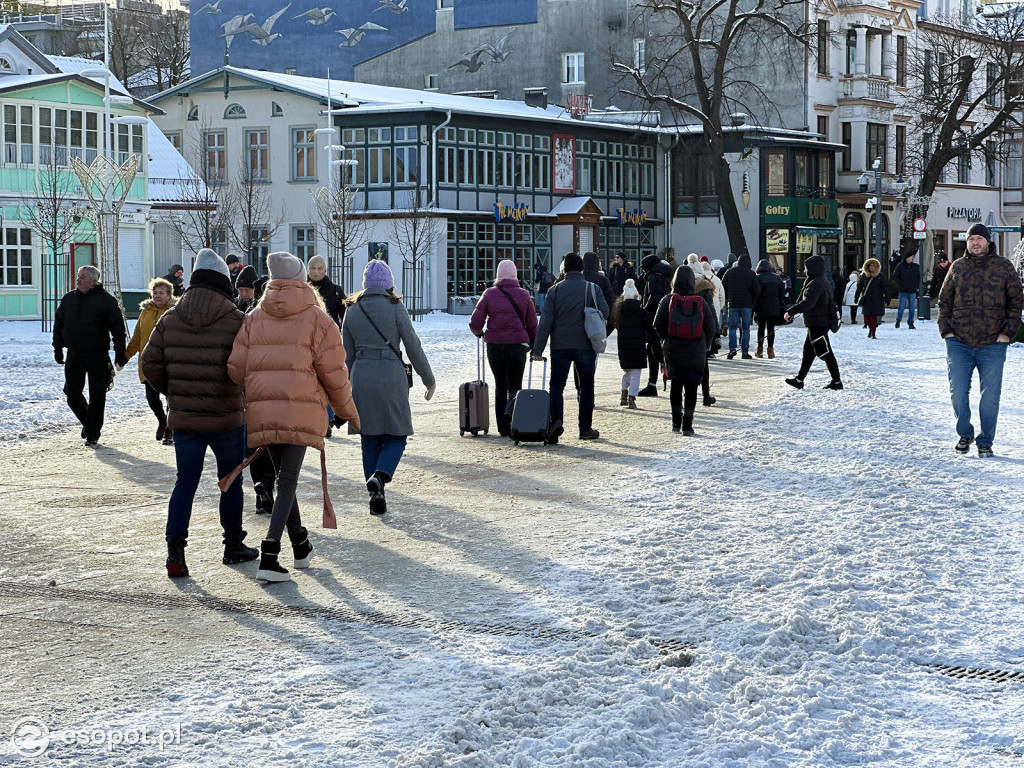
x=594 y=322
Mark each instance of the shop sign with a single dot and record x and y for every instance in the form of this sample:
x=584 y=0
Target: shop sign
x=517 y=212
x=778 y=210
x=776 y=241
x=635 y=218
x=971 y=214
x=804 y=242
x=799 y=210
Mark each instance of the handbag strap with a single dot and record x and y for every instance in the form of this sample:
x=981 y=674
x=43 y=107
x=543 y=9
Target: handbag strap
x=516 y=308
x=386 y=339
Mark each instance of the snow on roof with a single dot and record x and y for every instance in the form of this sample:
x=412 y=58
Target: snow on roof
x=571 y=205
x=74 y=64
x=170 y=176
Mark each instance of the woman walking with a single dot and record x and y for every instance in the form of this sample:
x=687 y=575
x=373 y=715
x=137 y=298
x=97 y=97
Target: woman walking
x=768 y=307
x=511 y=326
x=872 y=295
x=636 y=331
x=685 y=345
x=375 y=329
x=817 y=306
x=334 y=300
x=850 y=295
x=161 y=298
x=289 y=357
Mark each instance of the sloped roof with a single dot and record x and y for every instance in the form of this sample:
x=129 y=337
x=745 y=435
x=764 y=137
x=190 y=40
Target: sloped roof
x=8 y=32
x=171 y=179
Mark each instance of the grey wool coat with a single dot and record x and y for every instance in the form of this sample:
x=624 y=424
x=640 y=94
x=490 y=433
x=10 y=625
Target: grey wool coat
x=379 y=386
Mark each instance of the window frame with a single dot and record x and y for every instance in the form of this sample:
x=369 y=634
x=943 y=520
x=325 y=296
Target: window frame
x=262 y=154
x=574 y=68
x=303 y=152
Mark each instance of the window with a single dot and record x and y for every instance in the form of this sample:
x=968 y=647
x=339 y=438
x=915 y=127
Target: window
x=823 y=126
x=851 y=52
x=823 y=62
x=993 y=94
x=303 y=154
x=260 y=239
x=219 y=241
x=92 y=135
x=5 y=65
x=430 y=82
x=442 y=4
x=275 y=109
x=407 y=164
x=1013 y=165
x=15 y=256
x=216 y=157
x=446 y=165
x=173 y=136
x=129 y=142
x=877 y=145
x=379 y=165
x=304 y=242
x=901 y=60
x=826 y=187
x=640 y=54
x=991 y=164
x=572 y=68
x=234 y=112
x=963 y=169
x=775 y=174
x=193 y=114
x=801 y=167
x=257 y=144
x=693 y=186
x=847 y=139
x=929 y=73
x=901 y=150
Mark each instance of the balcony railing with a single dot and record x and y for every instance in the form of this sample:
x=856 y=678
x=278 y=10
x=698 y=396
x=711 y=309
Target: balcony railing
x=870 y=87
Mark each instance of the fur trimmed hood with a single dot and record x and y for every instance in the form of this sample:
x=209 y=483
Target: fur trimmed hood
x=703 y=284
x=872 y=268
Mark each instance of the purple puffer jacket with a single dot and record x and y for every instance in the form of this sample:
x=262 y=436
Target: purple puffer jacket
x=503 y=325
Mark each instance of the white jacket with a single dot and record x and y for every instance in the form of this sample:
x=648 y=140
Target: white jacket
x=851 y=291
x=719 y=294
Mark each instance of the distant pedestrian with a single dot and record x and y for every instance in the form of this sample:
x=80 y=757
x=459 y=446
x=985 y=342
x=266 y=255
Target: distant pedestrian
x=333 y=298
x=817 y=306
x=657 y=277
x=907 y=277
x=684 y=324
x=768 y=308
x=621 y=271
x=187 y=360
x=544 y=281
x=245 y=286
x=235 y=267
x=850 y=295
x=872 y=295
x=289 y=358
x=635 y=331
x=87 y=320
x=507 y=320
x=593 y=274
x=980 y=307
x=376 y=329
x=787 y=282
x=160 y=299
x=173 y=276
x=938 y=275
x=741 y=291
x=718 y=305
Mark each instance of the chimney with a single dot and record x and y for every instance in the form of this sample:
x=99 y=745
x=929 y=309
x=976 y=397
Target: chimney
x=536 y=97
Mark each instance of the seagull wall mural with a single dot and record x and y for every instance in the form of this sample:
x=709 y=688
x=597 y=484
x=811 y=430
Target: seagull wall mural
x=210 y=8
x=233 y=26
x=260 y=33
x=353 y=36
x=495 y=52
x=317 y=16
x=390 y=5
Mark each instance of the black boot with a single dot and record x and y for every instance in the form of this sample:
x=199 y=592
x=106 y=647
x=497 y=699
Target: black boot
x=710 y=400
x=264 y=499
x=236 y=552
x=677 y=419
x=270 y=569
x=651 y=390
x=687 y=423
x=176 y=567
x=378 y=503
x=161 y=427
x=301 y=548
x=377 y=481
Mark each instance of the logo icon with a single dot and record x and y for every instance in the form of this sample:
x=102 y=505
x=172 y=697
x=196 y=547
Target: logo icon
x=30 y=737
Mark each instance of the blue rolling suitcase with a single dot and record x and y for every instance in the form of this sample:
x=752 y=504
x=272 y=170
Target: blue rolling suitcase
x=531 y=412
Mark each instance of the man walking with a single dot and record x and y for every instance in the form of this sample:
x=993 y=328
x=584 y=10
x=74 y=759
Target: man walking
x=562 y=320
x=235 y=266
x=85 y=322
x=741 y=292
x=621 y=271
x=908 y=278
x=657 y=282
x=979 y=312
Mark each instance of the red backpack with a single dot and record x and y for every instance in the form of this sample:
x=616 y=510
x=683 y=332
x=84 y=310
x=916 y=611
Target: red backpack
x=685 y=317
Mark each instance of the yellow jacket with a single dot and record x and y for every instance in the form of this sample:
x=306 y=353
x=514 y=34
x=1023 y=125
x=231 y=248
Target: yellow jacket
x=144 y=328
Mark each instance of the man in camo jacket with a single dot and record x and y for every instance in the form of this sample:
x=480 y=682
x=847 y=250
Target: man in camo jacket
x=980 y=305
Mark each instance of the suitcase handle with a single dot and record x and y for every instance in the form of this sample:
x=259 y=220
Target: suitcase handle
x=543 y=376
x=481 y=366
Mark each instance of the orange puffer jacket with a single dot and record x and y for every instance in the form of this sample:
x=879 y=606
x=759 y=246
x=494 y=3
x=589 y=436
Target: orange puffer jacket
x=289 y=357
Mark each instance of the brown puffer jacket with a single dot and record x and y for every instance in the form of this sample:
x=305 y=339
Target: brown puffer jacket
x=186 y=359
x=980 y=298
x=290 y=359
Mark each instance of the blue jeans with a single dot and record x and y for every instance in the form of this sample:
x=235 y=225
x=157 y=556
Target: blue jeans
x=190 y=453
x=540 y=301
x=381 y=453
x=585 y=362
x=740 y=316
x=961 y=361
x=907 y=298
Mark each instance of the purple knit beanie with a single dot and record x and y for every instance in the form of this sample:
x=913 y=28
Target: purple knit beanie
x=378 y=275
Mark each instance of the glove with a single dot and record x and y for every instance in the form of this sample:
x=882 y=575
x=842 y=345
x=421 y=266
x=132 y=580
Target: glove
x=120 y=360
x=430 y=392
x=338 y=421
x=58 y=356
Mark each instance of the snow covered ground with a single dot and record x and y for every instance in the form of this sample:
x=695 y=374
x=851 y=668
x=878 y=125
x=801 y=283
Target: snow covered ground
x=818 y=549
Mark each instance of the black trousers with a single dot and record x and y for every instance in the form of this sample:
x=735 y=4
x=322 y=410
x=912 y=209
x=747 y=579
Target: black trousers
x=654 y=361
x=507 y=361
x=705 y=382
x=853 y=315
x=765 y=328
x=829 y=358
x=97 y=368
x=683 y=403
x=155 y=404
x=287 y=463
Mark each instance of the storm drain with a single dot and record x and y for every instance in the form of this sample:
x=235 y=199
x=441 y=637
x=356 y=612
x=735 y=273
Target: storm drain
x=281 y=610
x=974 y=673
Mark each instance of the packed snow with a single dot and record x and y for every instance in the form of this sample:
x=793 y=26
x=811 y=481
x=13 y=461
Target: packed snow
x=820 y=550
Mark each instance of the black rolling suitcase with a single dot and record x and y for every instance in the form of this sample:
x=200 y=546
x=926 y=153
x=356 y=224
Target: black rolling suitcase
x=531 y=412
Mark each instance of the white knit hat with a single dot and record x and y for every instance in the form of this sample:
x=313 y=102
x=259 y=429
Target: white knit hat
x=629 y=291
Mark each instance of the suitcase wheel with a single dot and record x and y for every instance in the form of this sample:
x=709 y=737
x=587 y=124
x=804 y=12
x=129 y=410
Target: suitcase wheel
x=516 y=443
x=462 y=432
x=474 y=431
x=485 y=432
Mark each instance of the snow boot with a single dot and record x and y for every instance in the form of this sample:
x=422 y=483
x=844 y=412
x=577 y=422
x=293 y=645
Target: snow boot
x=378 y=503
x=168 y=437
x=264 y=499
x=677 y=420
x=302 y=549
x=236 y=552
x=710 y=400
x=836 y=385
x=651 y=390
x=631 y=403
x=161 y=428
x=795 y=382
x=176 y=567
x=270 y=569
x=963 y=444
x=622 y=399
x=759 y=352
x=731 y=355
x=985 y=452
x=897 y=323
x=771 y=353
x=911 y=326
x=687 y=423
x=377 y=481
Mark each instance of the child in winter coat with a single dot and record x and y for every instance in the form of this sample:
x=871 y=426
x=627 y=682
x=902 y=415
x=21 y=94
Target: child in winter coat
x=636 y=330
x=850 y=295
x=161 y=298
x=685 y=358
x=289 y=357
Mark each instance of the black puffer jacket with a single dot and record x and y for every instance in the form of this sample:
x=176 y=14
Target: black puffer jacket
x=771 y=300
x=172 y=277
x=907 y=276
x=684 y=358
x=593 y=274
x=741 y=286
x=618 y=276
x=333 y=300
x=657 y=283
x=635 y=328
x=86 y=322
x=816 y=298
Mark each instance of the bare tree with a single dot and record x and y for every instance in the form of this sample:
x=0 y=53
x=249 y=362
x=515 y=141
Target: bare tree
x=129 y=32
x=169 y=50
x=202 y=213
x=250 y=213
x=702 y=66
x=338 y=227
x=416 y=232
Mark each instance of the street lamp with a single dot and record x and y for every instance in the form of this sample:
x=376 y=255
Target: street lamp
x=864 y=181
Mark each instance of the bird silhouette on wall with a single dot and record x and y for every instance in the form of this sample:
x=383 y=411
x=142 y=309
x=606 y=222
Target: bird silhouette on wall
x=234 y=25
x=390 y=5
x=471 y=61
x=353 y=35
x=260 y=33
x=211 y=8
x=498 y=52
x=316 y=16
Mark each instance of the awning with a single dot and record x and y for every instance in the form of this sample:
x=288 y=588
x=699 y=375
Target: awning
x=827 y=231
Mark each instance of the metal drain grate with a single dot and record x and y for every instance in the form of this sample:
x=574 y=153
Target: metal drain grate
x=280 y=610
x=973 y=673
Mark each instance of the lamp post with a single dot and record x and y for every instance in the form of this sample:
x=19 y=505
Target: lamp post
x=864 y=182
